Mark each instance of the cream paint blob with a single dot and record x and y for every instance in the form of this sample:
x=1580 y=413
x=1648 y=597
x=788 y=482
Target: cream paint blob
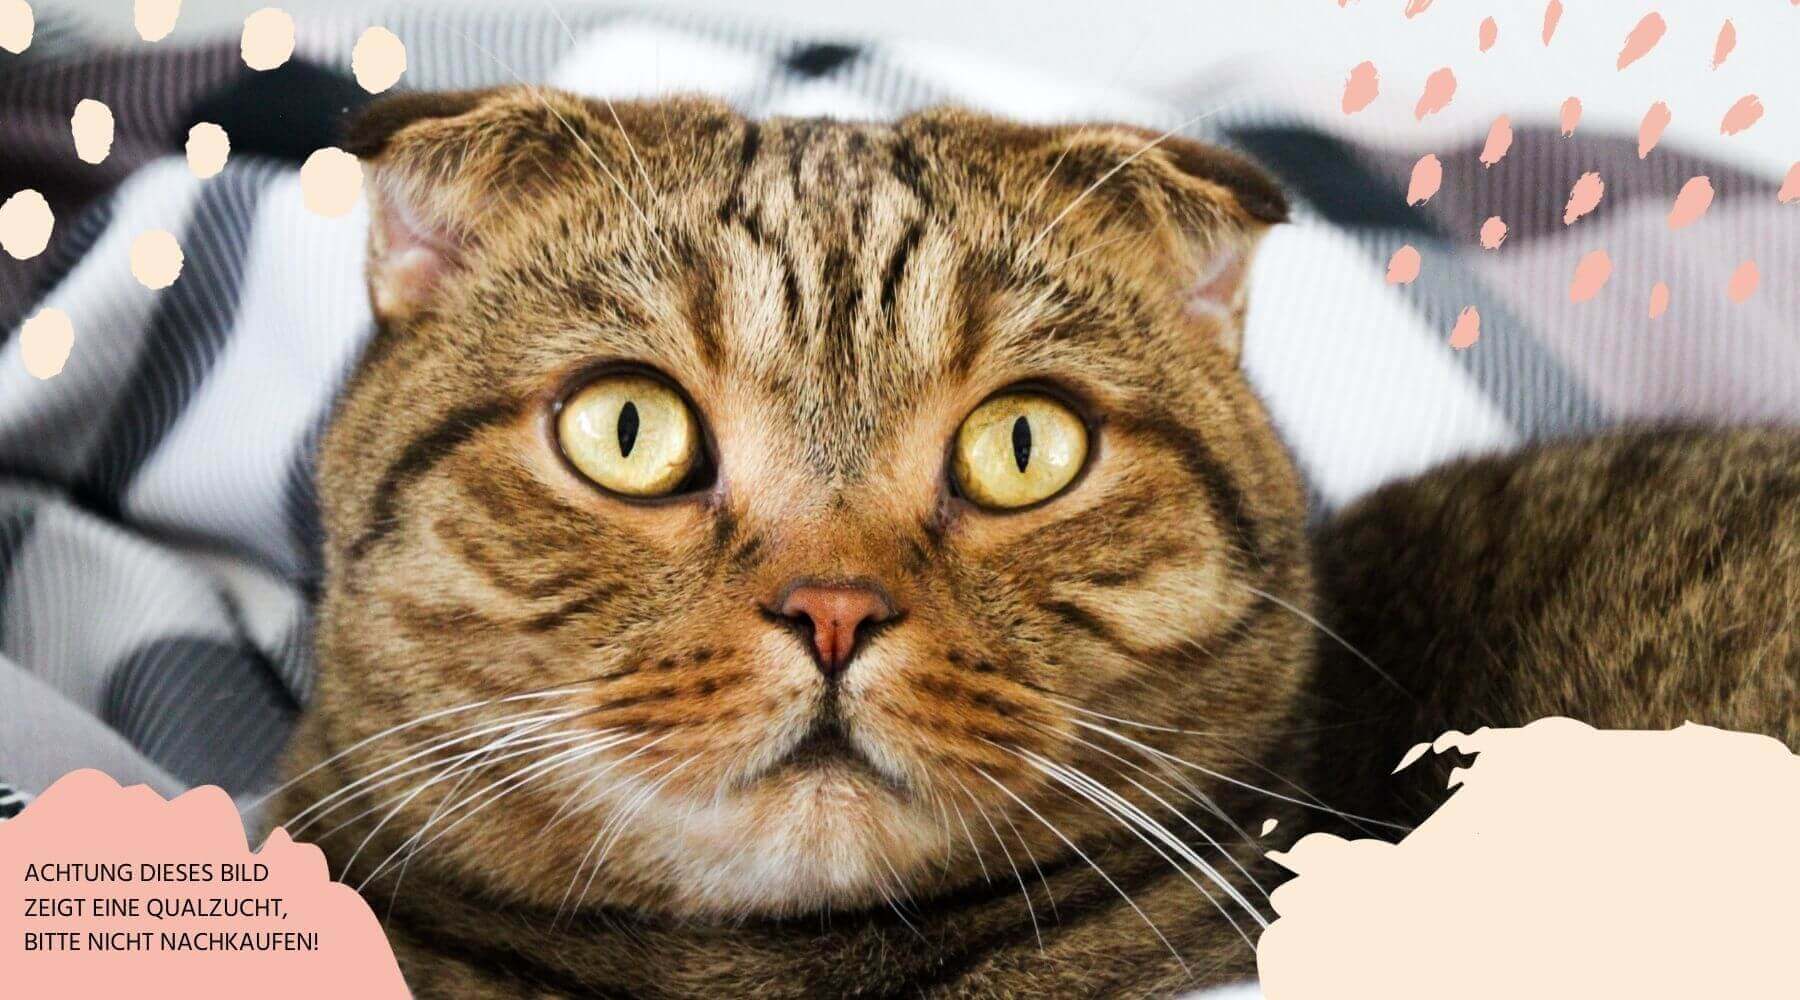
x=25 y=224
x=1569 y=862
x=268 y=38
x=1650 y=130
x=378 y=59
x=156 y=259
x=1269 y=826
x=331 y=181
x=1695 y=198
x=45 y=341
x=207 y=148
x=92 y=126
x=1427 y=177
x=154 y=19
x=1499 y=140
x=1403 y=266
x=16 y=25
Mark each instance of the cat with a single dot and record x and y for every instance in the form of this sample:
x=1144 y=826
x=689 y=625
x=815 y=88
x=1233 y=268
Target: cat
x=803 y=558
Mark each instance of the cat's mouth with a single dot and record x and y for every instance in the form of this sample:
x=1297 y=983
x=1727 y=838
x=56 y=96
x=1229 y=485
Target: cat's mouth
x=828 y=747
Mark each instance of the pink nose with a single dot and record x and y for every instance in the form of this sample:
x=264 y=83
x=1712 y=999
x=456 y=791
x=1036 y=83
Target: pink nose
x=837 y=612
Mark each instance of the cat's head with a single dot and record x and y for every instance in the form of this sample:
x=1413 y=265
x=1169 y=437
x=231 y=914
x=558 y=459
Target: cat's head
x=786 y=515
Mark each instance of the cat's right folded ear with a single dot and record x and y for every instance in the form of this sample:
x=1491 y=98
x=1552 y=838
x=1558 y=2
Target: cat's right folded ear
x=444 y=169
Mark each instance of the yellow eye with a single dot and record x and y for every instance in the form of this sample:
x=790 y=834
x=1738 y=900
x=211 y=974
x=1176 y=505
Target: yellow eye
x=1017 y=449
x=631 y=434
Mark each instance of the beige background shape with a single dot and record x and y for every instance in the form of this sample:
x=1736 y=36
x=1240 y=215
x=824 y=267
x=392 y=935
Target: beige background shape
x=207 y=148
x=331 y=181
x=16 y=25
x=268 y=38
x=156 y=258
x=1568 y=862
x=25 y=224
x=378 y=59
x=45 y=341
x=154 y=19
x=92 y=127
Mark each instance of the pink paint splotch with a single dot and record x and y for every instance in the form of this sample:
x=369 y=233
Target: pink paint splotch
x=1695 y=198
x=1440 y=88
x=1487 y=34
x=86 y=817
x=1790 y=186
x=1740 y=116
x=1361 y=87
x=1467 y=330
x=1584 y=197
x=1499 y=140
x=1493 y=233
x=1553 y=12
x=1659 y=299
x=1591 y=274
x=1650 y=130
x=1427 y=177
x=1642 y=39
x=1743 y=282
x=1416 y=7
x=1570 y=116
x=1723 y=45
x=1403 y=266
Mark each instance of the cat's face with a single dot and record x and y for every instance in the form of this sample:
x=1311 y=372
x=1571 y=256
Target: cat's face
x=793 y=502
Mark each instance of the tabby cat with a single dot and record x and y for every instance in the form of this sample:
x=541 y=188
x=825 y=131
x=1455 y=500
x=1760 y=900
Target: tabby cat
x=799 y=558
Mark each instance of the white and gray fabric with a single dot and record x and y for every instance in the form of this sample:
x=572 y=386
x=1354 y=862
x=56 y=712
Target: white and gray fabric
x=158 y=537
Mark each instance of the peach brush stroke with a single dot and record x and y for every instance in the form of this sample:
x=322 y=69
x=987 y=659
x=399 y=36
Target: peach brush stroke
x=1546 y=874
x=1571 y=115
x=1790 y=186
x=1723 y=45
x=1743 y=282
x=1650 y=130
x=1440 y=87
x=1467 y=330
x=1427 y=175
x=1659 y=299
x=1584 y=197
x=1642 y=39
x=1552 y=13
x=1489 y=32
x=1417 y=7
x=1741 y=115
x=1590 y=276
x=1403 y=266
x=1361 y=87
x=1695 y=198
x=1499 y=140
x=1493 y=233
x=16 y=25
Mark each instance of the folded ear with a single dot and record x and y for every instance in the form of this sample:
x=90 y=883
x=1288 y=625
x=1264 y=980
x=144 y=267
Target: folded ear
x=1209 y=205
x=447 y=170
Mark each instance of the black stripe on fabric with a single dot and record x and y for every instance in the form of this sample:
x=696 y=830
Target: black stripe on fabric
x=15 y=527
x=69 y=245
x=208 y=712
x=1526 y=382
x=284 y=113
x=820 y=59
x=191 y=324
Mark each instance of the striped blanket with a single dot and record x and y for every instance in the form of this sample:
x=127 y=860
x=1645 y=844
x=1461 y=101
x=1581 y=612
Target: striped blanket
x=158 y=537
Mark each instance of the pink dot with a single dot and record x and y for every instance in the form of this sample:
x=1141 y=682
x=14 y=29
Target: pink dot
x=1741 y=115
x=1467 y=330
x=1427 y=175
x=1695 y=198
x=1499 y=140
x=1651 y=129
x=1743 y=282
x=1790 y=187
x=1440 y=87
x=1361 y=87
x=1659 y=299
x=1590 y=275
x=1571 y=115
x=1403 y=266
x=1489 y=32
x=1493 y=233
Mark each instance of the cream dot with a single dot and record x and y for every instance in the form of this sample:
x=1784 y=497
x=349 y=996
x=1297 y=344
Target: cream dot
x=155 y=258
x=331 y=181
x=92 y=125
x=268 y=38
x=154 y=19
x=45 y=341
x=16 y=24
x=207 y=148
x=378 y=59
x=25 y=224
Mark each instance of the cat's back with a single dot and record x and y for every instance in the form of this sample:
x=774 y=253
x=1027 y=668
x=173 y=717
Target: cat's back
x=1636 y=580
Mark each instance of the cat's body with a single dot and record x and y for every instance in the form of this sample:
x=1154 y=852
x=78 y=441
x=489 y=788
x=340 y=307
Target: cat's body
x=838 y=702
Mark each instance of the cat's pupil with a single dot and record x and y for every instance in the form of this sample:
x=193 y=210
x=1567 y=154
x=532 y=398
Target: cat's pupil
x=1022 y=442
x=628 y=428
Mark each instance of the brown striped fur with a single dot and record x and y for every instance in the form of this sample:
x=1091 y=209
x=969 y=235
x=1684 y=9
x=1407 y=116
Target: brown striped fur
x=833 y=298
